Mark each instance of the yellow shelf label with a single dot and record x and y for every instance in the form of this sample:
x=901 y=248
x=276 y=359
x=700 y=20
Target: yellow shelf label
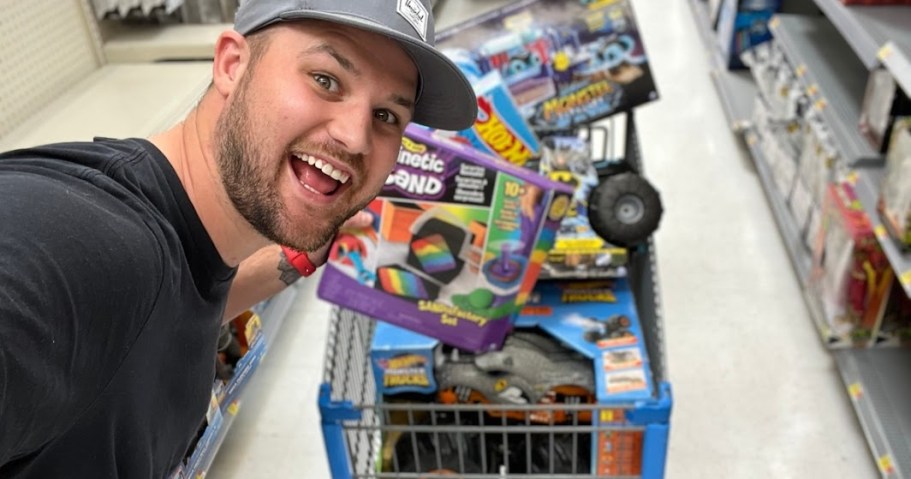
x=885 y=464
x=905 y=278
x=880 y=231
x=233 y=408
x=884 y=52
x=607 y=415
x=856 y=391
x=800 y=71
x=852 y=178
x=773 y=23
x=812 y=90
x=820 y=104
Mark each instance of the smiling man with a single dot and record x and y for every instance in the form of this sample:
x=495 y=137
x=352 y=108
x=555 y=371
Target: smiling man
x=120 y=258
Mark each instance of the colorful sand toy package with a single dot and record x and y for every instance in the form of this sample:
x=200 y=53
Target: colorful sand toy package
x=456 y=245
x=566 y=63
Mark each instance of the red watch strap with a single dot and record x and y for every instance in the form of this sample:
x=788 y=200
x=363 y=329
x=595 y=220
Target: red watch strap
x=299 y=260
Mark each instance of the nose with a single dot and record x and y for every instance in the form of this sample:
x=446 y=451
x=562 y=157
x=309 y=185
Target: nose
x=352 y=126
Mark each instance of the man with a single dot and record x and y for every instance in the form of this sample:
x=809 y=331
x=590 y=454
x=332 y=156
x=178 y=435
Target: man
x=118 y=257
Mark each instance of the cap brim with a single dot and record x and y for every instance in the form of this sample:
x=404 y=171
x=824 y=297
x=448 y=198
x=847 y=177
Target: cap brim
x=447 y=100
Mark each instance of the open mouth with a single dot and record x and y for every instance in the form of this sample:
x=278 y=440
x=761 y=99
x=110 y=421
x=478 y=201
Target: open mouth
x=317 y=175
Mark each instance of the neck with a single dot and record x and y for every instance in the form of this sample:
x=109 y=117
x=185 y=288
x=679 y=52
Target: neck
x=189 y=148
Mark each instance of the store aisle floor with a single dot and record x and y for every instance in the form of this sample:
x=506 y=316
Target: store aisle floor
x=756 y=394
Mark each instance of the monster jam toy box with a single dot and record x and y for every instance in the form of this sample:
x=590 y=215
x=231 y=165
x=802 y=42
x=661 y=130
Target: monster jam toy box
x=599 y=320
x=566 y=62
x=456 y=246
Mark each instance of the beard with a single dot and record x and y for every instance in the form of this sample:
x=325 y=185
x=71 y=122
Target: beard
x=253 y=186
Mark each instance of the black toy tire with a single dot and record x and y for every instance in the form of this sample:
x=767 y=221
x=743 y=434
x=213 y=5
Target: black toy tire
x=624 y=209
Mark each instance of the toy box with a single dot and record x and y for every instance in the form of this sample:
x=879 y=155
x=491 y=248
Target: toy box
x=597 y=319
x=456 y=245
x=402 y=361
x=578 y=251
x=500 y=129
x=565 y=62
x=895 y=202
x=850 y=272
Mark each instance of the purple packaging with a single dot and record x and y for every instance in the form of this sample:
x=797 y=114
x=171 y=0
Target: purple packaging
x=456 y=245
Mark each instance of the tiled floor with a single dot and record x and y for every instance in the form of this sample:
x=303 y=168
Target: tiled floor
x=756 y=394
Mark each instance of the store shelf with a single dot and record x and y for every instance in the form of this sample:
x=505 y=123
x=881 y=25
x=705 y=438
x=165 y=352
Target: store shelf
x=867 y=182
x=868 y=28
x=272 y=312
x=204 y=454
x=835 y=82
x=700 y=11
x=790 y=233
x=737 y=91
x=735 y=88
x=877 y=382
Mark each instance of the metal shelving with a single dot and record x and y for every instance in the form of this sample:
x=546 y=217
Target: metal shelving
x=272 y=312
x=877 y=382
x=867 y=29
x=790 y=233
x=866 y=182
x=835 y=82
x=800 y=256
x=736 y=88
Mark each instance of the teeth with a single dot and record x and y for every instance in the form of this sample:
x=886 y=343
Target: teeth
x=326 y=168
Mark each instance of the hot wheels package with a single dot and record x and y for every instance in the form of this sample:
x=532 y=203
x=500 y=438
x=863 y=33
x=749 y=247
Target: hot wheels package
x=565 y=62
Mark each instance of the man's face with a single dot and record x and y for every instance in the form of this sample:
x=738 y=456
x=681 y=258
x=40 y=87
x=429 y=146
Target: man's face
x=313 y=129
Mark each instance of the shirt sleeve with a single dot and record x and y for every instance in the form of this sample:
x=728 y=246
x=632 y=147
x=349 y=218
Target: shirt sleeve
x=74 y=293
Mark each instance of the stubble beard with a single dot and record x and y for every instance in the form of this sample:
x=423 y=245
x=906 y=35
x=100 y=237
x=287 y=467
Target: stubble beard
x=254 y=191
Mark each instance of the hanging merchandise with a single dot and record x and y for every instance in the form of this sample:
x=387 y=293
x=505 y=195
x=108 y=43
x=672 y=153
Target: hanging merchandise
x=895 y=203
x=850 y=271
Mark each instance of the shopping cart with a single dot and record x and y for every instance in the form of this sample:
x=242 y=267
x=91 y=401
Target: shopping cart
x=368 y=438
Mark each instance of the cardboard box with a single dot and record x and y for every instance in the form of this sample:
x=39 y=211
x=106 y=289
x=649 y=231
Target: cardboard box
x=456 y=246
x=566 y=62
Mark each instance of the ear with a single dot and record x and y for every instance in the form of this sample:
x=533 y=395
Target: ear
x=232 y=54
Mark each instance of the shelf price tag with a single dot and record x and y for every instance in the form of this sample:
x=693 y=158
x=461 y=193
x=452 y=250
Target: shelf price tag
x=801 y=70
x=851 y=178
x=885 y=464
x=233 y=408
x=884 y=52
x=812 y=90
x=820 y=104
x=880 y=232
x=905 y=278
x=773 y=23
x=856 y=391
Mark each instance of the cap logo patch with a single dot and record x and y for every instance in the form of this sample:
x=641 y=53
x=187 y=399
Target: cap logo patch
x=416 y=14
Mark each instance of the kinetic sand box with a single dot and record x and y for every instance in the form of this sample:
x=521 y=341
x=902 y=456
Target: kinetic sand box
x=456 y=245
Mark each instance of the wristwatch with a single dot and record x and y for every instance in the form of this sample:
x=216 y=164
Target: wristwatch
x=299 y=260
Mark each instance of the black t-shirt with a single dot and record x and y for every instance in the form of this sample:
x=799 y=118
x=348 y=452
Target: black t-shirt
x=111 y=296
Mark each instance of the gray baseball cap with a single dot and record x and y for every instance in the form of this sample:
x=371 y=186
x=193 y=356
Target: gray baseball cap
x=445 y=98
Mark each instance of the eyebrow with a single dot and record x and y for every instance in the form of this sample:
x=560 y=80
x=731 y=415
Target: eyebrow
x=343 y=61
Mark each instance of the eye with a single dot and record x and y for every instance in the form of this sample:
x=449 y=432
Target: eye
x=386 y=116
x=326 y=82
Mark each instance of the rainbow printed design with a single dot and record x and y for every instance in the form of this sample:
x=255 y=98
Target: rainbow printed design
x=433 y=253
x=402 y=283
